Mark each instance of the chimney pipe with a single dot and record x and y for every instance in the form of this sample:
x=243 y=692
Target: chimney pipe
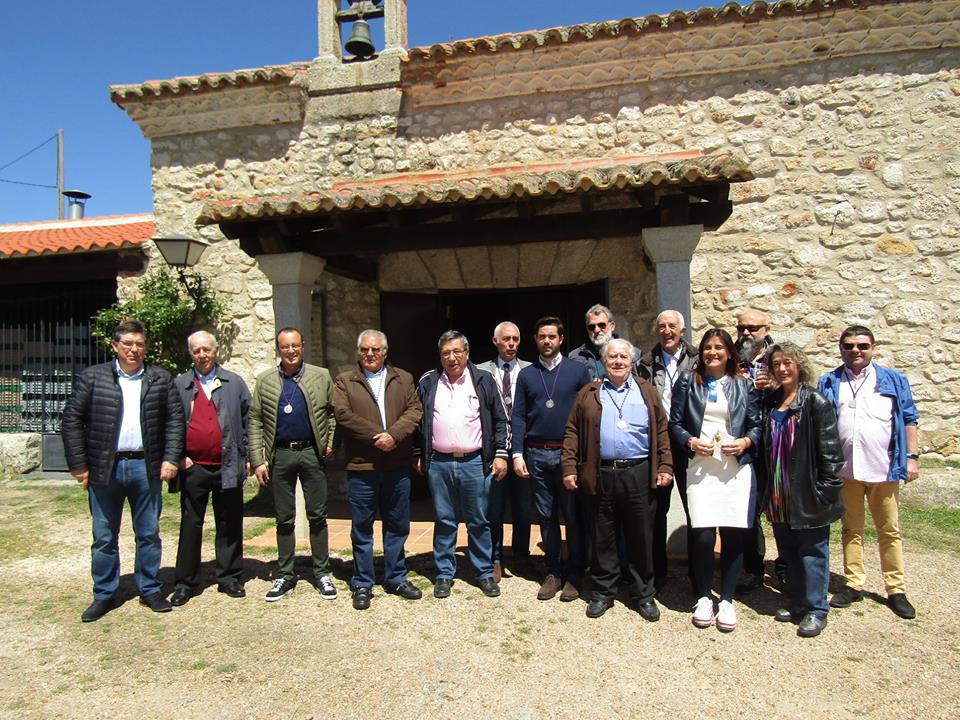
x=76 y=200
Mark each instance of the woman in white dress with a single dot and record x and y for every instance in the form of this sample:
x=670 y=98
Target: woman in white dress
x=715 y=416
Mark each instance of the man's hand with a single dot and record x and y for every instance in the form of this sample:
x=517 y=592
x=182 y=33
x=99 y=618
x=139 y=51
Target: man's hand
x=82 y=475
x=913 y=470
x=329 y=453
x=168 y=471
x=570 y=482
x=664 y=479
x=499 y=469
x=763 y=380
x=418 y=465
x=263 y=475
x=384 y=441
x=520 y=467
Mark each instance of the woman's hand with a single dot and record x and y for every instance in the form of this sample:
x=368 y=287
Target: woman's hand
x=735 y=447
x=699 y=447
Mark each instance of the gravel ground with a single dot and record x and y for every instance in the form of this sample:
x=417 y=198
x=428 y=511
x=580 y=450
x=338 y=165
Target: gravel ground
x=467 y=656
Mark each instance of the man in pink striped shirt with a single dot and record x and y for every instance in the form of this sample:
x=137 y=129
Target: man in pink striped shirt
x=463 y=449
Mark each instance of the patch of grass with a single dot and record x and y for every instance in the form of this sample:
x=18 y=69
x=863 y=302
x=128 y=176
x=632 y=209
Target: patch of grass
x=257 y=528
x=938 y=464
x=199 y=665
x=935 y=528
x=228 y=668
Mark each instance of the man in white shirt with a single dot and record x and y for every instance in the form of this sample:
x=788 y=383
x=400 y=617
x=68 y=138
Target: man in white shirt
x=505 y=368
x=877 y=420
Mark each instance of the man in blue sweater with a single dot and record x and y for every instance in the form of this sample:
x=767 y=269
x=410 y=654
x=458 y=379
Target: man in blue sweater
x=544 y=396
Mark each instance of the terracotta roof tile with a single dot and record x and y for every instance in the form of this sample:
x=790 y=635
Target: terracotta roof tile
x=109 y=232
x=498 y=182
x=253 y=76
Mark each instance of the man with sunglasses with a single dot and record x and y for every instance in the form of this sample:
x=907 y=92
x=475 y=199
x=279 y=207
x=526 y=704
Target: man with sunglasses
x=601 y=328
x=877 y=420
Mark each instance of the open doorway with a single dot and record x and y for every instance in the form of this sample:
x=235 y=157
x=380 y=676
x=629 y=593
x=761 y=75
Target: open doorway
x=414 y=321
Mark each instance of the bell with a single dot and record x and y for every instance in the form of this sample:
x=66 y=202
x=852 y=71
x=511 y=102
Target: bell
x=359 y=42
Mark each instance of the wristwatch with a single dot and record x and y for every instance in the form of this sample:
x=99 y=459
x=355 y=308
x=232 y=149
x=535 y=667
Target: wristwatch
x=913 y=456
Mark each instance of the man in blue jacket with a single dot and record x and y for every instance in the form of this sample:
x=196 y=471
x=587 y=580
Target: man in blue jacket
x=123 y=437
x=877 y=420
x=546 y=391
x=462 y=448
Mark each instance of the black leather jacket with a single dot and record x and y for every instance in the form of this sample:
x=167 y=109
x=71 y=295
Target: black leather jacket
x=815 y=463
x=686 y=415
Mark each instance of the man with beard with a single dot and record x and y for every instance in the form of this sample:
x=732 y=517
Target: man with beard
x=601 y=327
x=753 y=339
x=661 y=367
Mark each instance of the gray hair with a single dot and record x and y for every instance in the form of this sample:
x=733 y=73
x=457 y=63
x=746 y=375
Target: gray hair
x=451 y=336
x=371 y=331
x=501 y=326
x=805 y=370
x=210 y=335
x=598 y=309
x=605 y=350
x=683 y=322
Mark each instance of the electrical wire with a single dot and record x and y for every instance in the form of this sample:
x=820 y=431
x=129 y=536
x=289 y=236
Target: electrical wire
x=28 y=152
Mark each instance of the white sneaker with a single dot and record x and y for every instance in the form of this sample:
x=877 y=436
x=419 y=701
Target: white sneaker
x=726 y=616
x=703 y=613
x=326 y=588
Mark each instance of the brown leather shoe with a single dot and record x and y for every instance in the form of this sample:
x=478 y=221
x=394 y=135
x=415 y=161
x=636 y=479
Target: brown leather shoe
x=551 y=586
x=570 y=593
x=497 y=572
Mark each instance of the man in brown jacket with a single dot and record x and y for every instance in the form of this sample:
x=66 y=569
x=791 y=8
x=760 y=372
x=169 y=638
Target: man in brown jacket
x=377 y=411
x=616 y=452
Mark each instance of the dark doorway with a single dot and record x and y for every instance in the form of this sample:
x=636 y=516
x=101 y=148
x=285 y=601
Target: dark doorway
x=414 y=321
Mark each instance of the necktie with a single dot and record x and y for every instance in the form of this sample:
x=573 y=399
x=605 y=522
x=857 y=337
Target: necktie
x=506 y=388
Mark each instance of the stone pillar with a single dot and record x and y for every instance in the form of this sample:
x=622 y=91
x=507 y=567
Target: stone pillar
x=671 y=249
x=395 y=26
x=293 y=276
x=328 y=30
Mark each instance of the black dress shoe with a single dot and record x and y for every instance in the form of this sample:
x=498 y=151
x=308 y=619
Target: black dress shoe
x=407 y=590
x=811 y=625
x=157 y=602
x=489 y=588
x=648 y=610
x=361 y=598
x=598 y=606
x=442 y=587
x=97 y=609
x=181 y=596
x=901 y=606
x=846 y=596
x=233 y=589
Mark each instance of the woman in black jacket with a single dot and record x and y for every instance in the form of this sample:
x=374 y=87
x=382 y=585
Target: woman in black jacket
x=715 y=418
x=801 y=458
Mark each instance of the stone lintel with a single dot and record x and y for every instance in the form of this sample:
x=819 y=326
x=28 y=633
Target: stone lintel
x=671 y=249
x=328 y=75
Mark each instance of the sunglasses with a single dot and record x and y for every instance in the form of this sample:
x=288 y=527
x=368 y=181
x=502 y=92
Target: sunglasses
x=596 y=326
x=749 y=328
x=858 y=346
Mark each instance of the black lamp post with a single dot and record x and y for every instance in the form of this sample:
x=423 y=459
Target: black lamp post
x=180 y=251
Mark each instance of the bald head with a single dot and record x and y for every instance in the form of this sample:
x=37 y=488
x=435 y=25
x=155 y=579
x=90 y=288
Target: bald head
x=506 y=339
x=753 y=322
x=203 y=351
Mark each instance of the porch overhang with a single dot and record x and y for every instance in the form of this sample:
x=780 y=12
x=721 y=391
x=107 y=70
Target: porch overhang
x=352 y=223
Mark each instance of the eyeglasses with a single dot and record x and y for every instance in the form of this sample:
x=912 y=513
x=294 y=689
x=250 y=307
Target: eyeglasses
x=749 y=328
x=596 y=326
x=293 y=346
x=129 y=344
x=453 y=353
x=370 y=351
x=858 y=346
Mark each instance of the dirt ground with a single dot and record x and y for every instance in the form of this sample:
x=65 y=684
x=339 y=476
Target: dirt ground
x=467 y=656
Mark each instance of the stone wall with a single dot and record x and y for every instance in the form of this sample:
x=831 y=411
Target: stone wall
x=852 y=217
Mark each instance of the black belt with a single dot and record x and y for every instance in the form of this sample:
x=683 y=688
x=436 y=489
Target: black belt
x=622 y=463
x=130 y=455
x=457 y=455
x=543 y=444
x=295 y=445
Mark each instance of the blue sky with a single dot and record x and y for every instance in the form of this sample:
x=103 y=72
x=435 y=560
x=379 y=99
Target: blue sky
x=59 y=58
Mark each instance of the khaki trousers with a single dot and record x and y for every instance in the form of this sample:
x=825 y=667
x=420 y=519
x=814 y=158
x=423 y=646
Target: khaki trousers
x=883 y=498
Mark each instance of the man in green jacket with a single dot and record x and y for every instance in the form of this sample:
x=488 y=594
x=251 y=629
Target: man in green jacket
x=291 y=436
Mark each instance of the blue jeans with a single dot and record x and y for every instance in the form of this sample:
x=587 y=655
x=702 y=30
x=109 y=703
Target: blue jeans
x=129 y=482
x=518 y=490
x=807 y=555
x=554 y=501
x=389 y=492
x=460 y=490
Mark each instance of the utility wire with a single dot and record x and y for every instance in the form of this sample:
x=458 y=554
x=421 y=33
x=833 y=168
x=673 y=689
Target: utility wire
x=4 y=167
x=18 y=182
